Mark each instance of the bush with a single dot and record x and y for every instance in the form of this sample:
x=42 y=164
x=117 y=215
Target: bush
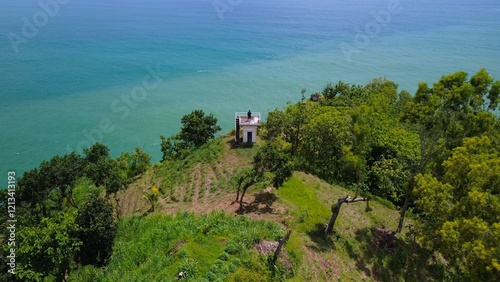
x=234 y=247
x=189 y=268
x=224 y=256
x=97 y=231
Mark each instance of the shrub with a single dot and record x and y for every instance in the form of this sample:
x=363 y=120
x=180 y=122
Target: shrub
x=97 y=231
x=224 y=256
x=189 y=268
x=234 y=247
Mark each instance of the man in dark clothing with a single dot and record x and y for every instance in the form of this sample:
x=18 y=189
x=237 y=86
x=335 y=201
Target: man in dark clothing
x=249 y=115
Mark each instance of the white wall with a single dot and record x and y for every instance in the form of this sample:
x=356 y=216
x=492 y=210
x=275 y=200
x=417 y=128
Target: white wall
x=254 y=134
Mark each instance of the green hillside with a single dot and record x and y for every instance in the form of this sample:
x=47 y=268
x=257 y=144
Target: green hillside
x=157 y=246
x=365 y=183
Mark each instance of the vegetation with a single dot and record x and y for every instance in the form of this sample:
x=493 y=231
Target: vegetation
x=434 y=156
x=96 y=231
x=47 y=249
x=206 y=248
x=152 y=198
x=461 y=212
x=197 y=129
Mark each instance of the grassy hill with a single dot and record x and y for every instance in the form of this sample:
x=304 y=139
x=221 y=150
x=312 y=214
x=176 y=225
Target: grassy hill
x=197 y=228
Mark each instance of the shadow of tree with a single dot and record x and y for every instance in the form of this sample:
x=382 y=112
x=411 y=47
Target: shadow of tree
x=391 y=257
x=320 y=242
x=263 y=198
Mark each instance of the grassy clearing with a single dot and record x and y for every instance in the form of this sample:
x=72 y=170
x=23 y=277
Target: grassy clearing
x=208 y=248
x=356 y=250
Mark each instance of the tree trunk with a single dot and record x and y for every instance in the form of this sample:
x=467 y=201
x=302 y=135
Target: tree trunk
x=368 y=208
x=237 y=195
x=335 y=213
x=243 y=195
x=118 y=207
x=403 y=213
x=280 y=246
x=405 y=204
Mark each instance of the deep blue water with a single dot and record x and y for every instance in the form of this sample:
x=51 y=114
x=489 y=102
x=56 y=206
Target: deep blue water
x=69 y=79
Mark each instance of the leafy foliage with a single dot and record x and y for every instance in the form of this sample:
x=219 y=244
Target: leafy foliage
x=461 y=213
x=327 y=138
x=197 y=129
x=47 y=249
x=343 y=94
x=453 y=109
x=55 y=177
x=273 y=157
x=134 y=163
x=96 y=231
x=103 y=170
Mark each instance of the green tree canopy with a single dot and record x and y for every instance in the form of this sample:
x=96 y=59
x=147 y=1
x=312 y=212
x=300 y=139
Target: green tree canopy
x=197 y=129
x=47 y=249
x=275 y=158
x=461 y=213
x=56 y=176
x=102 y=169
x=96 y=231
x=327 y=139
x=443 y=116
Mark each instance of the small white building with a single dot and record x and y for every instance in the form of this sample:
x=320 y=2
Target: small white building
x=246 y=124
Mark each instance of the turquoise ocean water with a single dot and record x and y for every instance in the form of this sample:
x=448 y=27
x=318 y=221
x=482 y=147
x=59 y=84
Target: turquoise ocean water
x=125 y=72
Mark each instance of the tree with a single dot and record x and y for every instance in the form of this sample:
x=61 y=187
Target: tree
x=103 y=170
x=274 y=157
x=494 y=95
x=96 y=231
x=275 y=124
x=96 y=152
x=197 y=128
x=55 y=176
x=443 y=116
x=113 y=180
x=139 y=162
x=244 y=179
x=336 y=210
x=327 y=136
x=461 y=212
x=47 y=249
x=172 y=147
x=133 y=164
x=288 y=124
x=33 y=192
x=391 y=151
x=98 y=163
x=343 y=94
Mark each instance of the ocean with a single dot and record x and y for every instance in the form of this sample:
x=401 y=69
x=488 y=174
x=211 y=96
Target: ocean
x=124 y=72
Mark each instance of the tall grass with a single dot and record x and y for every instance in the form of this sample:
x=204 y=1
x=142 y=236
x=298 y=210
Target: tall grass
x=207 y=248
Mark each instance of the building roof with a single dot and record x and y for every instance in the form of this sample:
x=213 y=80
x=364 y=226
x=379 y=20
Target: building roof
x=243 y=118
